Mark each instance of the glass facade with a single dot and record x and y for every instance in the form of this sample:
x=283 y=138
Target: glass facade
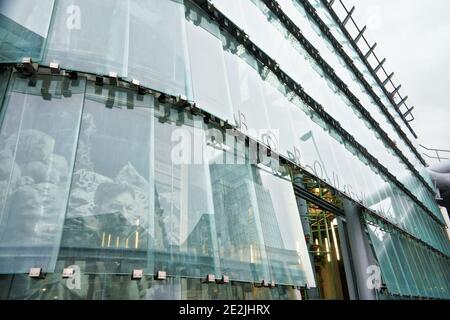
x=104 y=179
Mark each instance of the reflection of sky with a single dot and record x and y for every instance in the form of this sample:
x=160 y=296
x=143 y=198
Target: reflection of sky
x=25 y=12
x=120 y=136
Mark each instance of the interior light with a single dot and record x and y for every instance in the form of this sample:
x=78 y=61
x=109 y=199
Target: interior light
x=327 y=246
x=336 y=246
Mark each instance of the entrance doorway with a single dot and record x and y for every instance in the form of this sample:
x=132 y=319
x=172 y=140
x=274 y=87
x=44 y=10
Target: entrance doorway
x=321 y=213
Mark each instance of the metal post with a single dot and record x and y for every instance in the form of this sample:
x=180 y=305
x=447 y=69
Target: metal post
x=370 y=51
x=393 y=93
x=360 y=34
x=379 y=65
x=388 y=79
x=362 y=257
x=349 y=15
x=402 y=102
x=347 y=259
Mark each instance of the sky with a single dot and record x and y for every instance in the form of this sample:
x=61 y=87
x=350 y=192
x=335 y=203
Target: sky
x=414 y=37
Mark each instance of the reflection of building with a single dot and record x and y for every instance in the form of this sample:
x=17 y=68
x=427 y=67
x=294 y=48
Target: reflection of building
x=92 y=132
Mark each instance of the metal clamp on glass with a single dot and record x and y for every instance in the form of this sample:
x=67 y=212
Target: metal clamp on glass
x=161 y=275
x=54 y=68
x=210 y=278
x=68 y=273
x=136 y=84
x=113 y=79
x=137 y=274
x=36 y=273
x=27 y=66
x=224 y=280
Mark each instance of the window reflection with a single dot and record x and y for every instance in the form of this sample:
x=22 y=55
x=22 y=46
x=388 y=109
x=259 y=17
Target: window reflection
x=37 y=148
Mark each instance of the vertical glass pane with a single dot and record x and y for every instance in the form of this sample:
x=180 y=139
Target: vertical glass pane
x=107 y=222
x=207 y=64
x=23 y=28
x=37 y=148
x=378 y=236
x=90 y=36
x=183 y=219
x=246 y=92
x=282 y=229
x=239 y=231
x=157 y=47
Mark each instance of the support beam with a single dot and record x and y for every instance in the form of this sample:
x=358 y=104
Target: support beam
x=393 y=93
x=402 y=102
x=370 y=51
x=349 y=15
x=408 y=113
x=360 y=34
x=347 y=258
x=389 y=77
x=360 y=250
x=379 y=65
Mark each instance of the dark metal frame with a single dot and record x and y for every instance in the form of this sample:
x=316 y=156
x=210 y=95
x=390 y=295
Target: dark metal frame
x=338 y=47
x=437 y=151
x=388 y=79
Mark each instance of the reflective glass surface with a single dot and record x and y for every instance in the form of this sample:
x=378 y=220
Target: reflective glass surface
x=89 y=36
x=106 y=180
x=209 y=80
x=157 y=48
x=24 y=28
x=408 y=268
x=38 y=137
x=107 y=218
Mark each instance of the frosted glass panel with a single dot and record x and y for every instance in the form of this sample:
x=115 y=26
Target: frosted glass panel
x=185 y=240
x=157 y=46
x=239 y=231
x=283 y=233
x=111 y=196
x=207 y=65
x=90 y=36
x=246 y=92
x=37 y=149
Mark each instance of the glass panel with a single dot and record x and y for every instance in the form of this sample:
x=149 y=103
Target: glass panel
x=90 y=36
x=183 y=220
x=238 y=221
x=37 y=143
x=282 y=229
x=113 y=287
x=207 y=65
x=157 y=46
x=23 y=29
x=378 y=236
x=107 y=222
x=232 y=10
x=245 y=89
